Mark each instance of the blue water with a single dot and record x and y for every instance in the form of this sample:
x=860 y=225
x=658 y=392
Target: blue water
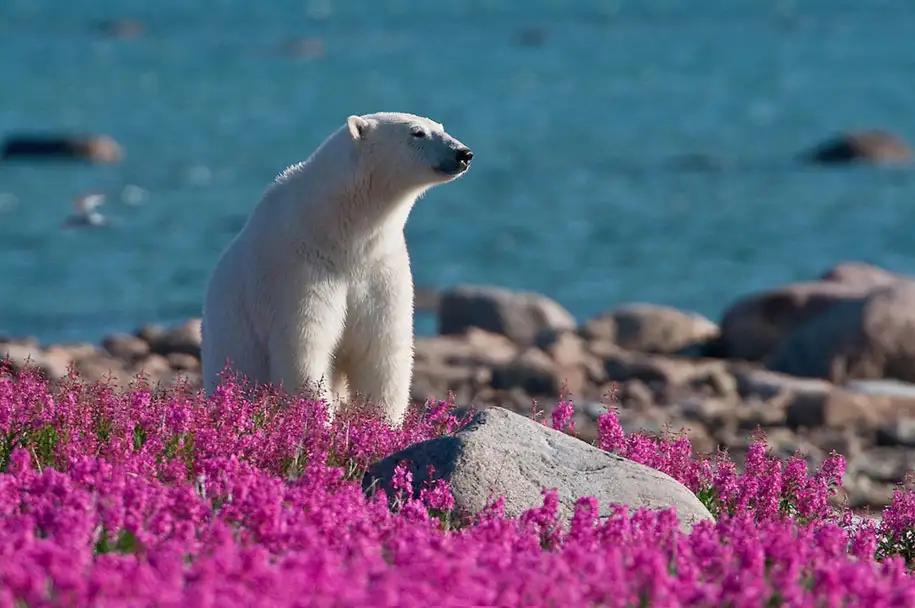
x=574 y=192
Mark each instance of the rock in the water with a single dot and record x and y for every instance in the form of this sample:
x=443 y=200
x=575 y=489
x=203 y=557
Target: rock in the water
x=861 y=273
x=304 y=47
x=504 y=454
x=650 y=328
x=94 y=148
x=516 y=314
x=873 y=146
x=754 y=326
x=120 y=28
x=868 y=338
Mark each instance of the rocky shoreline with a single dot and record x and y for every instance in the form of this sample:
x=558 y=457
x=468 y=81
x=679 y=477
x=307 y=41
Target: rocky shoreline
x=822 y=365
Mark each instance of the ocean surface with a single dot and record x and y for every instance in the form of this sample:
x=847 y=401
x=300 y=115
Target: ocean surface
x=625 y=151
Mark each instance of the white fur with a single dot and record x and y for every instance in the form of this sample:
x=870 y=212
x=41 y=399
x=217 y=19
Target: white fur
x=316 y=290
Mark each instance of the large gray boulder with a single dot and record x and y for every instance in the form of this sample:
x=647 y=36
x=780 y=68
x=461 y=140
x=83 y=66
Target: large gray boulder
x=519 y=315
x=500 y=453
x=753 y=326
x=869 y=338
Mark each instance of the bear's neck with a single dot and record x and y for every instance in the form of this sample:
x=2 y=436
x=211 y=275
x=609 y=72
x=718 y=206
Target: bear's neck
x=363 y=215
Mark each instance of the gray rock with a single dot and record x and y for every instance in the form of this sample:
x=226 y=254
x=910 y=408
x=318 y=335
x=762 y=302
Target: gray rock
x=784 y=444
x=504 y=454
x=767 y=384
x=592 y=409
x=125 y=346
x=183 y=362
x=56 y=362
x=650 y=328
x=883 y=464
x=635 y=394
x=753 y=413
x=570 y=351
x=842 y=409
x=21 y=355
x=898 y=432
x=755 y=325
x=28 y=355
x=184 y=338
x=868 y=338
x=846 y=442
x=721 y=382
x=864 y=492
x=861 y=273
x=600 y=328
x=835 y=409
x=516 y=314
x=102 y=366
x=891 y=388
x=711 y=412
x=435 y=380
x=537 y=374
x=565 y=347
x=94 y=148
x=668 y=370
x=473 y=348
x=153 y=366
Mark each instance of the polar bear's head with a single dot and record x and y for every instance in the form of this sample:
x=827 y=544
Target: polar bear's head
x=407 y=150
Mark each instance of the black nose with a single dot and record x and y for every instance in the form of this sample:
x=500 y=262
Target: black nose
x=464 y=155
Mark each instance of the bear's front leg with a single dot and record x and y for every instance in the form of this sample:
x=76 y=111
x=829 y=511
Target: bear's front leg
x=306 y=330
x=380 y=334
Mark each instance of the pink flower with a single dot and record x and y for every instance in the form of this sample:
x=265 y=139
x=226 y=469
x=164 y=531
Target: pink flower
x=562 y=416
x=403 y=479
x=139 y=498
x=439 y=497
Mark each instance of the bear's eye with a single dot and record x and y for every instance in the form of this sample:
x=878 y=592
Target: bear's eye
x=418 y=132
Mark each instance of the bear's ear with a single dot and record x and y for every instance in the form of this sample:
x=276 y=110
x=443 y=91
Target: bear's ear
x=357 y=126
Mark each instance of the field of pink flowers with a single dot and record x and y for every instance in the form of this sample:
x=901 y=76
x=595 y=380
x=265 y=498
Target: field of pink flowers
x=136 y=498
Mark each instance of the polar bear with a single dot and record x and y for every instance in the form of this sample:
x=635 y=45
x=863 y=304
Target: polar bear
x=316 y=291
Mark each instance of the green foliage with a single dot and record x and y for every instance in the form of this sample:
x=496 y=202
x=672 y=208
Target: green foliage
x=126 y=543
x=708 y=496
x=41 y=443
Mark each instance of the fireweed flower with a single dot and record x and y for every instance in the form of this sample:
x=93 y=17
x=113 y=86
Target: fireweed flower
x=150 y=497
